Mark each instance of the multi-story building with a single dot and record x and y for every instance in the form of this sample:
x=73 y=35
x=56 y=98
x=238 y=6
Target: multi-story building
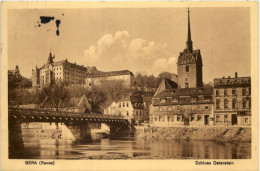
x=131 y=107
x=187 y=103
x=232 y=98
x=58 y=71
x=185 y=106
x=97 y=78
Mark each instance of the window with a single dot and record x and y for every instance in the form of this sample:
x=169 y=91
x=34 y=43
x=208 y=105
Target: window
x=187 y=69
x=234 y=92
x=244 y=103
x=186 y=85
x=178 y=118
x=136 y=113
x=243 y=91
x=225 y=92
x=161 y=118
x=186 y=79
x=207 y=98
x=217 y=92
x=225 y=118
x=225 y=104
x=192 y=118
x=206 y=107
x=119 y=104
x=126 y=104
x=233 y=103
x=155 y=118
x=162 y=100
x=217 y=104
x=246 y=120
x=249 y=91
x=175 y=99
x=160 y=109
x=127 y=114
x=217 y=118
x=193 y=98
x=123 y=104
x=198 y=117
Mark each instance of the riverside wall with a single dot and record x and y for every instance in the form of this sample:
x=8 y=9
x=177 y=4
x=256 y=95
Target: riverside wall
x=205 y=133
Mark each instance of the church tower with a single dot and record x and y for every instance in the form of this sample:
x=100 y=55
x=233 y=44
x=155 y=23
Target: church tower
x=189 y=65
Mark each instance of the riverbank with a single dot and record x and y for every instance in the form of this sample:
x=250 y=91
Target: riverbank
x=206 y=133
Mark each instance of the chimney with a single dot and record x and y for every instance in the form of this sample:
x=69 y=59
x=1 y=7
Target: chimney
x=235 y=74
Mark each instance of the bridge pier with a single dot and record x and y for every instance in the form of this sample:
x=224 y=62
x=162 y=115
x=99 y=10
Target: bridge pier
x=80 y=131
x=15 y=139
x=121 y=130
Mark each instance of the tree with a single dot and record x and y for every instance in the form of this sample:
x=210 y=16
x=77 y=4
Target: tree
x=165 y=74
x=114 y=90
x=54 y=96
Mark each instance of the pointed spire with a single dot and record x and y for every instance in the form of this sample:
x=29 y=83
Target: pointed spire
x=50 y=59
x=189 y=42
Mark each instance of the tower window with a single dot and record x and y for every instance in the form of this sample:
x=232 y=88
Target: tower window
x=186 y=85
x=186 y=79
x=187 y=69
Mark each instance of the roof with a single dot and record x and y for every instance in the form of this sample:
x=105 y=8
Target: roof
x=185 y=92
x=166 y=84
x=232 y=82
x=71 y=65
x=187 y=57
x=111 y=73
x=74 y=101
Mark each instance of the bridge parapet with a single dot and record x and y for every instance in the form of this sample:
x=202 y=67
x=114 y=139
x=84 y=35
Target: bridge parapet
x=54 y=115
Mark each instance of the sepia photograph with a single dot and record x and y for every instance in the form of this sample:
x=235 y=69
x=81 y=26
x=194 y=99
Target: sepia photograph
x=149 y=83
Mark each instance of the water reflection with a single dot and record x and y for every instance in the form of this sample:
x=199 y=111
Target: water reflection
x=133 y=148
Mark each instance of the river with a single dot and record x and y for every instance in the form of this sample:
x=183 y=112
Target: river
x=132 y=148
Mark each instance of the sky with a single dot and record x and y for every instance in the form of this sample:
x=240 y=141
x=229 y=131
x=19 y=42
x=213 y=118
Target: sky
x=147 y=40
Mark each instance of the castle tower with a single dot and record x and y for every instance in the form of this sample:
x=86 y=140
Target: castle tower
x=50 y=59
x=189 y=65
x=16 y=71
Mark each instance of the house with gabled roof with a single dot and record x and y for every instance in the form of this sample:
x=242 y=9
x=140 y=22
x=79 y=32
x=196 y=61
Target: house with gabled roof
x=131 y=107
x=80 y=104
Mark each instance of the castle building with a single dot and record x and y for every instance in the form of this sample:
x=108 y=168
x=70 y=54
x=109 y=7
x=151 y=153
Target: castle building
x=232 y=98
x=97 y=78
x=187 y=103
x=58 y=71
x=16 y=71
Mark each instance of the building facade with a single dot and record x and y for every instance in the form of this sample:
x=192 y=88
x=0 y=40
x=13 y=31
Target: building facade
x=97 y=78
x=131 y=107
x=175 y=107
x=58 y=71
x=232 y=99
